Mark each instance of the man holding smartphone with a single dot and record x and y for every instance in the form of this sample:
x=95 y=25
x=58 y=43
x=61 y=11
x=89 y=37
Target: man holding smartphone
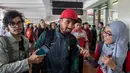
x=63 y=54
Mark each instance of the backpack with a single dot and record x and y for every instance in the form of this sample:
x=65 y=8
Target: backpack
x=7 y=46
x=126 y=65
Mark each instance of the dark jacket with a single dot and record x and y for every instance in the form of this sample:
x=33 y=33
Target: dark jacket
x=62 y=58
x=89 y=34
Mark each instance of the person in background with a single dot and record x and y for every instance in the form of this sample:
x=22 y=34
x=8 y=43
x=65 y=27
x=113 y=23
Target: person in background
x=34 y=30
x=42 y=27
x=63 y=54
x=89 y=27
x=94 y=37
x=48 y=27
x=81 y=36
x=100 y=30
x=114 y=51
x=30 y=37
x=53 y=25
x=88 y=32
x=14 y=46
x=29 y=33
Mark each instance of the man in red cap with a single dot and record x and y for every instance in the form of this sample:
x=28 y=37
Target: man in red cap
x=63 y=54
x=67 y=20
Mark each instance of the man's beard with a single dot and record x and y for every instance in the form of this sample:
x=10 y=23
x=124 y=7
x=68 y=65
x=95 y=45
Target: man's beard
x=67 y=33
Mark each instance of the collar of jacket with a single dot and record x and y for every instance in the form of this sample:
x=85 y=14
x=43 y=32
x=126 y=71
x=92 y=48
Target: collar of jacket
x=58 y=33
x=11 y=38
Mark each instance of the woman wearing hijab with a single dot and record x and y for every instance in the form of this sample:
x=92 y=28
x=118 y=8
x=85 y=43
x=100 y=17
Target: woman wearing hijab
x=114 y=50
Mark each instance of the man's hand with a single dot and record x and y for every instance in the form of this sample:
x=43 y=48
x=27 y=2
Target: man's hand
x=85 y=53
x=35 y=58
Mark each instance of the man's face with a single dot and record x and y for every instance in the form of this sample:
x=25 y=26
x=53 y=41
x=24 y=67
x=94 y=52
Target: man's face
x=86 y=26
x=78 y=26
x=53 y=26
x=100 y=25
x=16 y=26
x=66 y=25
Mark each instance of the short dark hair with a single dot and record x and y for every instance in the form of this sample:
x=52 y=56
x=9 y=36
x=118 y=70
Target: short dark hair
x=79 y=20
x=8 y=17
x=42 y=20
x=53 y=23
x=101 y=23
x=85 y=23
x=93 y=26
x=89 y=25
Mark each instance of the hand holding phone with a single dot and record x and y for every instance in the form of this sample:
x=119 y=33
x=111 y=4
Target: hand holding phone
x=79 y=47
x=84 y=52
x=43 y=50
x=35 y=58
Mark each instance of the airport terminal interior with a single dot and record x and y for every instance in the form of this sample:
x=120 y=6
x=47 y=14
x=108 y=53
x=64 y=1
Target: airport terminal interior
x=95 y=22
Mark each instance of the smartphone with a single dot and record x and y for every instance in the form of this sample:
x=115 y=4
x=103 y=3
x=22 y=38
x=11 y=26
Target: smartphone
x=43 y=50
x=79 y=47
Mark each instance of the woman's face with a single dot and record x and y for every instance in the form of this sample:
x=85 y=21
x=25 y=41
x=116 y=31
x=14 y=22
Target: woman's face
x=107 y=35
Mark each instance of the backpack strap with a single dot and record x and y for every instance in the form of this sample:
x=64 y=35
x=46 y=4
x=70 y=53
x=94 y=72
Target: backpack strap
x=51 y=34
x=8 y=47
x=72 y=46
x=45 y=39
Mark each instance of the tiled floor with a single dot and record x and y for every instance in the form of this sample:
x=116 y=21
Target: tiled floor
x=86 y=68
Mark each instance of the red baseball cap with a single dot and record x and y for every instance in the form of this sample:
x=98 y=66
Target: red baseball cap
x=69 y=13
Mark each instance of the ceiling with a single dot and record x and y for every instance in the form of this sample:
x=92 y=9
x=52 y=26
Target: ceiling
x=32 y=9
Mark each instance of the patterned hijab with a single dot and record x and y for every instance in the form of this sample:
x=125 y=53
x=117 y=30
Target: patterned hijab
x=118 y=49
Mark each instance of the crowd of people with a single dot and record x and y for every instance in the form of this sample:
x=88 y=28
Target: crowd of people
x=70 y=43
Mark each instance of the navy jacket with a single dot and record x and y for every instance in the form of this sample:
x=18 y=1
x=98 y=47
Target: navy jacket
x=63 y=54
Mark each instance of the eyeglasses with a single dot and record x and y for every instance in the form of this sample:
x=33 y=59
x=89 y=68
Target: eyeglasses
x=14 y=25
x=107 y=33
